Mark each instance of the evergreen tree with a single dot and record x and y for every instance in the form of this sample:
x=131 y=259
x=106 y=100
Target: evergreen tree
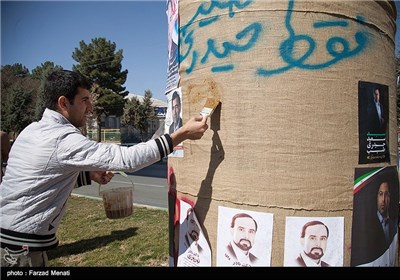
x=17 y=109
x=138 y=114
x=40 y=73
x=147 y=114
x=101 y=62
x=18 y=97
x=17 y=70
x=131 y=116
x=11 y=75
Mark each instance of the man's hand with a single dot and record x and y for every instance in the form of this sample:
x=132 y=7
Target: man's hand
x=193 y=129
x=101 y=177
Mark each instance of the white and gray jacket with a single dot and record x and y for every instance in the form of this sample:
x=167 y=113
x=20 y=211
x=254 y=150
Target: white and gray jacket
x=43 y=167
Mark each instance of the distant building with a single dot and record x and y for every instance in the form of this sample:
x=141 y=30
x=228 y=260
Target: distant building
x=159 y=105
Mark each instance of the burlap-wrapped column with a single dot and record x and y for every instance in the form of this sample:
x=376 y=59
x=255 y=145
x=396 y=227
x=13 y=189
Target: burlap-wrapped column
x=285 y=139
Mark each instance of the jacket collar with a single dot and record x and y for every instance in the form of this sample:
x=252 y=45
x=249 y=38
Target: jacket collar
x=54 y=116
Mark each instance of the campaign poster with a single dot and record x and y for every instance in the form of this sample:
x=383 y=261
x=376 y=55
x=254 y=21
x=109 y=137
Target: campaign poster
x=193 y=246
x=373 y=119
x=314 y=241
x=244 y=238
x=375 y=216
x=173 y=118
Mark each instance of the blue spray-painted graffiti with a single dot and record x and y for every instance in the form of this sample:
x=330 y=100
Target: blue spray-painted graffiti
x=337 y=47
x=251 y=32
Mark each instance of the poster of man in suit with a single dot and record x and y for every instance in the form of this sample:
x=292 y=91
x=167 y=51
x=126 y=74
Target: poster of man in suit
x=314 y=241
x=373 y=115
x=244 y=238
x=375 y=216
x=173 y=118
x=193 y=247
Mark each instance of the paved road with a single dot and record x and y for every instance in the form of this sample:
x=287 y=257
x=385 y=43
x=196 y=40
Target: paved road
x=150 y=186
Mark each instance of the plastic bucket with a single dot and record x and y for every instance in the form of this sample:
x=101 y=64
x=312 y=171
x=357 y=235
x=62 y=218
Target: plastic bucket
x=118 y=203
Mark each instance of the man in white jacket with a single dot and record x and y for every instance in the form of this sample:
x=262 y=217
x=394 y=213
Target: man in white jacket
x=48 y=158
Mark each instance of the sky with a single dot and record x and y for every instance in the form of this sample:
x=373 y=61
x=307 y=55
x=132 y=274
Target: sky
x=33 y=32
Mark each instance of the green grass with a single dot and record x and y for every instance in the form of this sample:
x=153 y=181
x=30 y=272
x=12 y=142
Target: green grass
x=88 y=238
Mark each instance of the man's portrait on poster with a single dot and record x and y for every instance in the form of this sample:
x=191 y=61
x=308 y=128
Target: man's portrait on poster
x=313 y=238
x=375 y=218
x=191 y=239
x=193 y=247
x=373 y=122
x=314 y=241
x=238 y=250
x=244 y=237
x=176 y=107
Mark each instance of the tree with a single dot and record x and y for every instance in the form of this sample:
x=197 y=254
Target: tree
x=131 y=112
x=11 y=75
x=40 y=73
x=17 y=70
x=147 y=114
x=18 y=96
x=138 y=114
x=17 y=110
x=101 y=62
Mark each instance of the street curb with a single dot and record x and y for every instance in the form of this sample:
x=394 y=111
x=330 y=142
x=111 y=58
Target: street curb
x=134 y=204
